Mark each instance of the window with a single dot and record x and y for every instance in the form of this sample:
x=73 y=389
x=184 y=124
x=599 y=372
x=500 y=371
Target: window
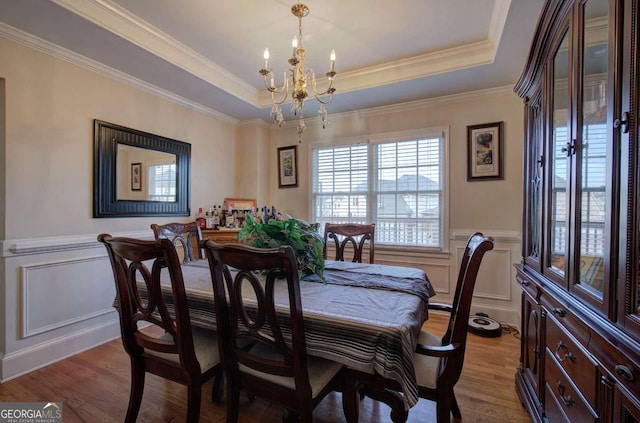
x=162 y=182
x=396 y=181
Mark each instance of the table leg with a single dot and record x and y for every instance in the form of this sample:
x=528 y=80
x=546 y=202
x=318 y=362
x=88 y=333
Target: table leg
x=350 y=403
x=375 y=387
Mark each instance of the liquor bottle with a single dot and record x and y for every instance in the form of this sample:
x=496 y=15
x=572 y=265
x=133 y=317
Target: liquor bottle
x=223 y=218
x=216 y=218
x=236 y=221
x=229 y=219
x=207 y=220
x=200 y=220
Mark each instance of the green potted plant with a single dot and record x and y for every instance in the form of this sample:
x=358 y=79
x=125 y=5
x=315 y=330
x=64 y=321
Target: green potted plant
x=303 y=237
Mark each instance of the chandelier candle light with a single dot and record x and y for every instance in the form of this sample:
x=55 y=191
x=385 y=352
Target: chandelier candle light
x=298 y=77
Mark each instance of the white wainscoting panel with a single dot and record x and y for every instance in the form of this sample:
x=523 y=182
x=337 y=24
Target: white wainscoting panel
x=496 y=292
x=494 y=274
x=439 y=277
x=60 y=293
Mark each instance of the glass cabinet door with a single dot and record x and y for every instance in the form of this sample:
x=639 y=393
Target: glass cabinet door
x=626 y=133
x=593 y=150
x=534 y=171
x=559 y=151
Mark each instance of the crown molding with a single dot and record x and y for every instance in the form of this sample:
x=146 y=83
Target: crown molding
x=428 y=102
x=69 y=56
x=449 y=60
x=498 y=21
x=429 y=64
x=506 y=90
x=119 y=21
x=251 y=123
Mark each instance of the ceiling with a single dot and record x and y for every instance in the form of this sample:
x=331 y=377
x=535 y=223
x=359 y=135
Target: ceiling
x=207 y=53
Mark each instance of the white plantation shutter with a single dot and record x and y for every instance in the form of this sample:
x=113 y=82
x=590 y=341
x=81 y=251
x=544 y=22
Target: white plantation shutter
x=594 y=153
x=408 y=192
x=341 y=184
x=399 y=185
x=162 y=182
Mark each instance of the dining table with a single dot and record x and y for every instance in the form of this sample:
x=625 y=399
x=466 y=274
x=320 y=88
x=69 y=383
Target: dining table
x=365 y=316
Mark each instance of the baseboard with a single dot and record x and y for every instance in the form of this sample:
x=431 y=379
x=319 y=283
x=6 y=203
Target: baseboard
x=21 y=362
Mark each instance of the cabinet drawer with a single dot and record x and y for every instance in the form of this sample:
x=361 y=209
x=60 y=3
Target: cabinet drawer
x=552 y=409
x=567 y=398
x=618 y=357
x=562 y=313
x=222 y=236
x=573 y=358
x=530 y=287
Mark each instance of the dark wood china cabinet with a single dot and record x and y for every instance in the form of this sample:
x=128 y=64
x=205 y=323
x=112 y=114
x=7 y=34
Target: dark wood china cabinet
x=580 y=270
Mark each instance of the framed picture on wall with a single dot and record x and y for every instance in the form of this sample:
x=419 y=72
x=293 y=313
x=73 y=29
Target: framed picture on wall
x=136 y=176
x=288 y=166
x=484 y=151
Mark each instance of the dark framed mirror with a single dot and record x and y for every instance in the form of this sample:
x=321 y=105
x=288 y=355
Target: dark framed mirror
x=139 y=174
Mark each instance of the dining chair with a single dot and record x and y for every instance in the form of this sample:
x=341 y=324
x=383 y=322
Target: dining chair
x=350 y=237
x=438 y=361
x=185 y=234
x=158 y=340
x=262 y=343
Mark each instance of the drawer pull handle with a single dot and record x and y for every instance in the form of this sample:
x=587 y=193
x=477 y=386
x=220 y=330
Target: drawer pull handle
x=566 y=400
x=559 y=312
x=568 y=355
x=625 y=372
x=525 y=282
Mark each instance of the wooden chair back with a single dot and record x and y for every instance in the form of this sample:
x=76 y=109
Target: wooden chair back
x=188 y=235
x=449 y=350
x=350 y=237
x=157 y=336
x=261 y=342
x=477 y=245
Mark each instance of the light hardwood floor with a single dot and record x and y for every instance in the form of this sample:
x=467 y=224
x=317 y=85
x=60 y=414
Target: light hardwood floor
x=94 y=387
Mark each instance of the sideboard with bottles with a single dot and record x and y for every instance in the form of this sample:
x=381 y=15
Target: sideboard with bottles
x=580 y=270
x=222 y=236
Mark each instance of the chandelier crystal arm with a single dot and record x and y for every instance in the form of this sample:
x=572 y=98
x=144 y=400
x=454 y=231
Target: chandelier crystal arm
x=266 y=73
x=319 y=94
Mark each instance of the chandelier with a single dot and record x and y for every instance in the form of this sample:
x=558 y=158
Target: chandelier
x=299 y=81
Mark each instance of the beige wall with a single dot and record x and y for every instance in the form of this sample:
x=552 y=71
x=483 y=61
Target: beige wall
x=51 y=105
x=493 y=207
x=494 y=204
x=252 y=165
x=56 y=286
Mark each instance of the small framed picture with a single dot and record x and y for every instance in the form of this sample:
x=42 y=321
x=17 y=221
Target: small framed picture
x=288 y=166
x=136 y=176
x=484 y=151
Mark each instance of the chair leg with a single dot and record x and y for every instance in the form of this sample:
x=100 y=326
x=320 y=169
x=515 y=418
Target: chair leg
x=194 y=394
x=217 y=392
x=289 y=416
x=443 y=408
x=137 y=388
x=305 y=415
x=233 y=401
x=455 y=410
